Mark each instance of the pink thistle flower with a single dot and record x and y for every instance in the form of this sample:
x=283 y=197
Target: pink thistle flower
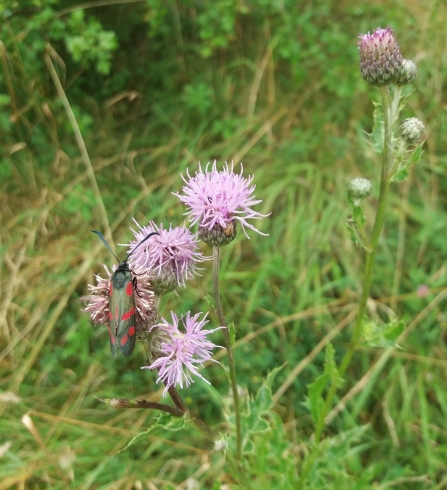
x=217 y=199
x=169 y=258
x=179 y=354
x=98 y=300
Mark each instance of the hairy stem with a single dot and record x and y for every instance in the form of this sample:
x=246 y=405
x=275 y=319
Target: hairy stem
x=229 y=347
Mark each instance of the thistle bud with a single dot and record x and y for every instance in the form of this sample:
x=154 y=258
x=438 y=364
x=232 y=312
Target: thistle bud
x=359 y=189
x=408 y=72
x=218 y=236
x=411 y=130
x=380 y=58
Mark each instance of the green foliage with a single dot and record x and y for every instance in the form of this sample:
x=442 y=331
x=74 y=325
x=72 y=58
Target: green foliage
x=402 y=171
x=266 y=445
x=315 y=402
x=356 y=224
x=217 y=25
x=5 y=112
x=198 y=98
x=338 y=456
x=86 y=41
x=358 y=215
x=385 y=335
x=161 y=421
x=91 y=44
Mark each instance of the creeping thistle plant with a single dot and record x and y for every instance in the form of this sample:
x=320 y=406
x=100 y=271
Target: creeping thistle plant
x=381 y=65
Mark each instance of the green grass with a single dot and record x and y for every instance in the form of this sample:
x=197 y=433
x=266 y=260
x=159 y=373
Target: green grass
x=285 y=292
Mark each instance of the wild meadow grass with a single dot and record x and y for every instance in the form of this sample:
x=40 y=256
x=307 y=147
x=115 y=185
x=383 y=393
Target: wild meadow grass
x=296 y=124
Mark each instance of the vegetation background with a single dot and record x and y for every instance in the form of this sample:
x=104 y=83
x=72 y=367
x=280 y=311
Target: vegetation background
x=156 y=87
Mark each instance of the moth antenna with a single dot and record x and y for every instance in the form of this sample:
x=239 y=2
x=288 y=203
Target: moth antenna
x=105 y=243
x=142 y=241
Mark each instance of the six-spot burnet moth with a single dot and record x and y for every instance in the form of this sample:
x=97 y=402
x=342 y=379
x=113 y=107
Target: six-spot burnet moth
x=122 y=324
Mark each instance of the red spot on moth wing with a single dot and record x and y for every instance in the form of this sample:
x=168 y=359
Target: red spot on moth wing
x=128 y=314
x=129 y=288
x=131 y=331
x=110 y=315
x=112 y=337
x=124 y=339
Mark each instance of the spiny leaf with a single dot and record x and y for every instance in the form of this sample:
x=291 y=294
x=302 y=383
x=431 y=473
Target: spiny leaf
x=358 y=215
x=163 y=420
x=416 y=155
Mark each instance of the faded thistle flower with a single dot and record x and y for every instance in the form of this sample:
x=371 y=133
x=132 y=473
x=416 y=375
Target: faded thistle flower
x=98 y=300
x=359 y=189
x=170 y=258
x=411 y=130
x=178 y=354
x=408 y=72
x=217 y=200
x=380 y=58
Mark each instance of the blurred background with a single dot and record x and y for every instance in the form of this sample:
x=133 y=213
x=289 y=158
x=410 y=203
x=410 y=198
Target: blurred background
x=156 y=87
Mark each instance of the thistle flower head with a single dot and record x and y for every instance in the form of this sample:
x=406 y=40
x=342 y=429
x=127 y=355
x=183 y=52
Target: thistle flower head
x=217 y=200
x=98 y=300
x=411 y=130
x=380 y=58
x=181 y=353
x=170 y=258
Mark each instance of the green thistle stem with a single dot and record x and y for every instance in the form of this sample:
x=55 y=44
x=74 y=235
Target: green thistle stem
x=387 y=154
x=229 y=347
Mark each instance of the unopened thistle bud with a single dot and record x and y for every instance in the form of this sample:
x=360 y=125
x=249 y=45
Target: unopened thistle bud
x=411 y=130
x=408 y=72
x=380 y=58
x=359 y=189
